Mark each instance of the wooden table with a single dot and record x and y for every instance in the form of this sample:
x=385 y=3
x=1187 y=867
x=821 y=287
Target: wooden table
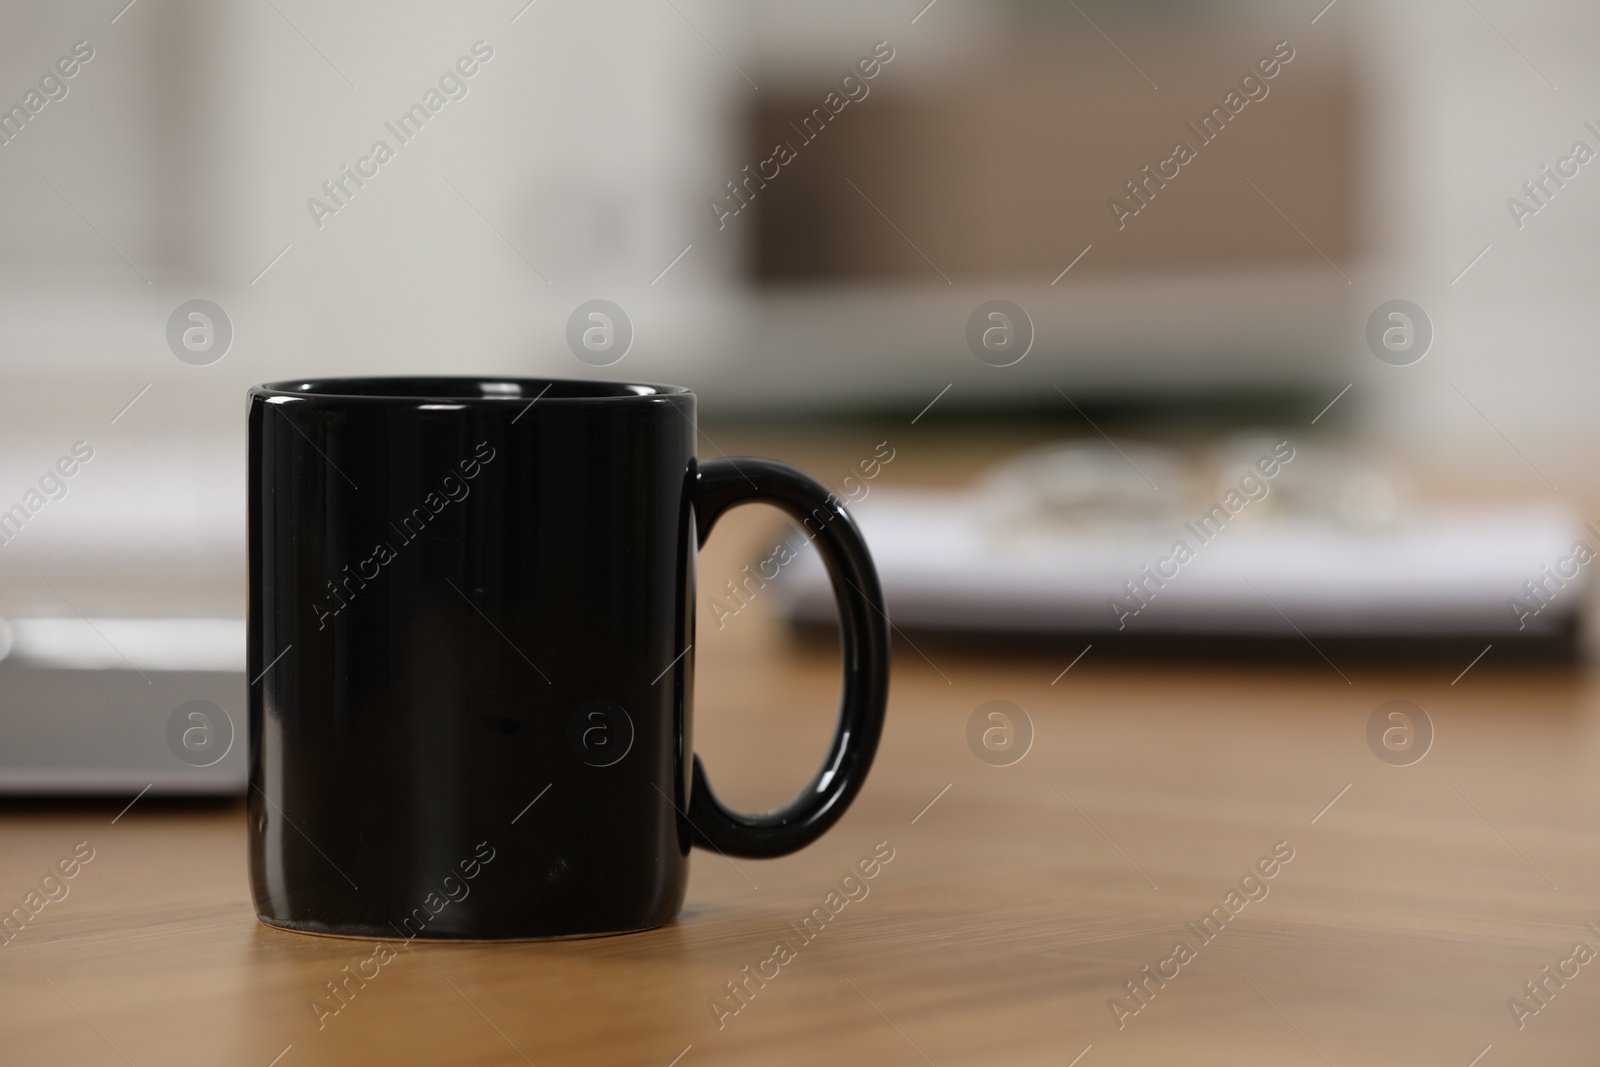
x=1018 y=903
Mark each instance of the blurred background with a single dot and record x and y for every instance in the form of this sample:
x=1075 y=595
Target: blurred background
x=820 y=300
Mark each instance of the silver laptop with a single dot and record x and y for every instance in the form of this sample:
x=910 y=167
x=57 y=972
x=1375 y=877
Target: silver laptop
x=122 y=707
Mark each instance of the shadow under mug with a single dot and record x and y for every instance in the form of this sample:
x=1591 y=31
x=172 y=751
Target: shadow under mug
x=471 y=616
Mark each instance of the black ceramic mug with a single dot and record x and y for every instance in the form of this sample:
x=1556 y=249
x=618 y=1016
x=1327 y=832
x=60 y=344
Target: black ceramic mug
x=471 y=624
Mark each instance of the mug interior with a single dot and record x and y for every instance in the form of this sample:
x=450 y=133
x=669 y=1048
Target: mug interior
x=464 y=388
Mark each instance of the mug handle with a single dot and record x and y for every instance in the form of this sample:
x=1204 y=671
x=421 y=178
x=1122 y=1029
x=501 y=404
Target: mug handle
x=718 y=485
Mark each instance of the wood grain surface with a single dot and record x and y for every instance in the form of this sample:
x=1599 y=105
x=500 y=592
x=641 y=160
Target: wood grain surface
x=1018 y=903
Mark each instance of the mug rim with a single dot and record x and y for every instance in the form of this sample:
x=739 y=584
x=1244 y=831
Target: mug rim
x=457 y=389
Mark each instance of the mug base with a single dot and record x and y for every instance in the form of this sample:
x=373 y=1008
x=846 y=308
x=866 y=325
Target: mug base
x=361 y=934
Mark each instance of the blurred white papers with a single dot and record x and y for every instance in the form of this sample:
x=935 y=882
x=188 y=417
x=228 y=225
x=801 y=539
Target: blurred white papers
x=946 y=566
